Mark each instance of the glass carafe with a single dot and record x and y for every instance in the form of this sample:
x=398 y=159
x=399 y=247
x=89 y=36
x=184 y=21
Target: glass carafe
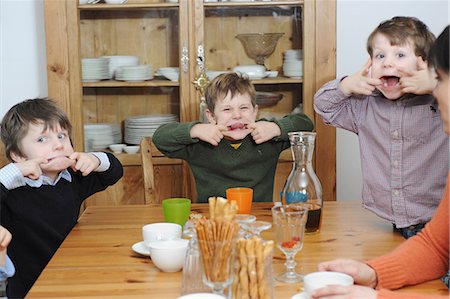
x=303 y=186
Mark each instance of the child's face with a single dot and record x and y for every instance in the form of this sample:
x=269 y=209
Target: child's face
x=387 y=63
x=441 y=93
x=53 y=145
x=234 y=113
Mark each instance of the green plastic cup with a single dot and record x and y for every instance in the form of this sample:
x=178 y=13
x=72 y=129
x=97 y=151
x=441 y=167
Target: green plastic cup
x=176 y=210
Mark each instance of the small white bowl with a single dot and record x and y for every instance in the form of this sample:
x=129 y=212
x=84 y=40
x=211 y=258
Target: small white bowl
x=131 y=149
x=116 y=1
x=169 y=255
x=252 y=70
x=117 y=148
x=161 y=231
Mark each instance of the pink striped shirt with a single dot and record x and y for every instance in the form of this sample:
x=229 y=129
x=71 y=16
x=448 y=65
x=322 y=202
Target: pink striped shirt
x=404 y=150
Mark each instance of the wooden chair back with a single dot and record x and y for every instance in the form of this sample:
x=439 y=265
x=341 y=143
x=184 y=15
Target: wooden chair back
x=163 y=177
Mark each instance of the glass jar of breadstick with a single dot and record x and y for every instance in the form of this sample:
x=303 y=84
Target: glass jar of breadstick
x=253 y=269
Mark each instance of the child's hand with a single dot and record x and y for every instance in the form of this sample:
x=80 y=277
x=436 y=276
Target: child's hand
x=85 y=162
x=210 y=133
x=5 y=238
x=422 y=81
x=360 y=82
x=31 y=168
x=263 y=131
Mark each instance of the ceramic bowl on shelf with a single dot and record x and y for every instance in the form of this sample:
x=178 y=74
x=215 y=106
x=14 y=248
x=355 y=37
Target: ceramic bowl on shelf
x=253 y=71
x=267 y=99
x=117 y=148
x=131 y=149
x=116 y=1
x=171 y=73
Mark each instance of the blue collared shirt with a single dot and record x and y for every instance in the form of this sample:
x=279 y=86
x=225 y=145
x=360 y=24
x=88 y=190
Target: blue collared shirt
x=11 y=177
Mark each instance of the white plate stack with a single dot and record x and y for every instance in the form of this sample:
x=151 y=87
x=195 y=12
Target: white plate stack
x=293 y=63
x=136 y=73
x=94 y=69
x=137 y=127
x=100 y=136
x=118 y=61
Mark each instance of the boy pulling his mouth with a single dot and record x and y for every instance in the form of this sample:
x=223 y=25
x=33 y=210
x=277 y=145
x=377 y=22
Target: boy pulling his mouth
x=232 y=149
x=388 y=104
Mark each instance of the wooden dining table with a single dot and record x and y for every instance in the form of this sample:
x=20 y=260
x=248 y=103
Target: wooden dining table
x=96 y=259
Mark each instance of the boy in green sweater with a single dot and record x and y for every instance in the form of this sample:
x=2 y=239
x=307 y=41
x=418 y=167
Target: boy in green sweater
x=232 y=150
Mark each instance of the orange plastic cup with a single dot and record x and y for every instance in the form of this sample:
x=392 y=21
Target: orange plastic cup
x=243 y=197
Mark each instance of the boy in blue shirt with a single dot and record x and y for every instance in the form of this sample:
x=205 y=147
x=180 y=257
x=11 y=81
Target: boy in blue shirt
x=43 y=188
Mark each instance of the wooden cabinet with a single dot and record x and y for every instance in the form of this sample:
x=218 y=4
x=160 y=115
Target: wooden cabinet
x=194 y=36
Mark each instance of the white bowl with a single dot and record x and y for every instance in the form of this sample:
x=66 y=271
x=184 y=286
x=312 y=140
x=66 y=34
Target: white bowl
x=317 y=280
x=131 y=149
x=168 y=255
x=272 y=74
x=117 y=147
x=160 y=231
x=116 y=1
x=252 y=70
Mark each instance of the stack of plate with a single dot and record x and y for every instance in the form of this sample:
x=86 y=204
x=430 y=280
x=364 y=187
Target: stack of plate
x=134 y=73
x=94 y=69
x=293 y=63
x=137 y=127
x=118 y=61
x=100 y=136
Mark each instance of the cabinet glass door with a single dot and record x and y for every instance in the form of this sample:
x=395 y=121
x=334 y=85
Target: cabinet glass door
x=136 y=98
x=261 y=33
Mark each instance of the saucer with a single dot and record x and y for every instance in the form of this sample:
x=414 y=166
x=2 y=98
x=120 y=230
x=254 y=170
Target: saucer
x=140 y=248
x=301 y=295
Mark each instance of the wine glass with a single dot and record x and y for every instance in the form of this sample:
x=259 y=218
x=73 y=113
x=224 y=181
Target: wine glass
x=256 y=227
x=289 y=221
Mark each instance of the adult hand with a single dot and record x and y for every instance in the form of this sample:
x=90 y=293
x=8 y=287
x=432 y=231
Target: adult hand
x=362 y=273
x=360 y=82
x=263 y=131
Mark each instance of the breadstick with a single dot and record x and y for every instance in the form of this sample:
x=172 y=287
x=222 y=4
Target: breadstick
x=212 y=207
x=237 y=268
x=260 y=268
x=250 y=249
x=243 y=275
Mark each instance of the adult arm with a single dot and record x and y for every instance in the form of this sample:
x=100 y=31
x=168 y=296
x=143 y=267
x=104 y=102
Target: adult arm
x=421 y=258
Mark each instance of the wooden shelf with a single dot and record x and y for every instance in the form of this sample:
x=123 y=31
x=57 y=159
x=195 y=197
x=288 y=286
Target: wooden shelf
x=149 y=83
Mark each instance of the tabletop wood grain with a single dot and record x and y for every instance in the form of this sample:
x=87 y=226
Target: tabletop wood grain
x=96 y=259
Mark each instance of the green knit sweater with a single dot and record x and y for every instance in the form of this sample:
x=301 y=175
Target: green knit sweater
x=217 y=168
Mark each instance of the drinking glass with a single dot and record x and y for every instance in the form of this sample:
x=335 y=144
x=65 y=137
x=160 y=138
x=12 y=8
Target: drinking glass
x=218 y=264
x=256 y=227
x=289 y=221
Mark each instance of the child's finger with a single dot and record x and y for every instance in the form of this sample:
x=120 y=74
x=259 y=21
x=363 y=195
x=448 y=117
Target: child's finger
x=365 y=70
x=404 y=72
x=421 y=64
x=222 y=128
x=40 y=161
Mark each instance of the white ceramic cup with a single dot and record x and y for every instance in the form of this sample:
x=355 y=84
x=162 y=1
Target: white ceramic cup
x=160 y=231
x=317 y=280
